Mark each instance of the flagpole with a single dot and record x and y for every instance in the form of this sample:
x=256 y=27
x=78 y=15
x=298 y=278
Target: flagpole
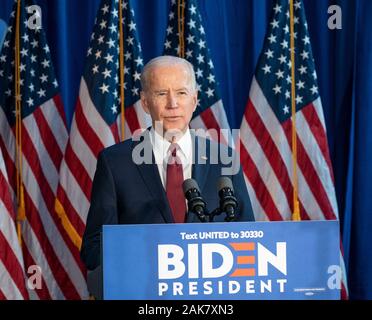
x=21 y=214
x=181 y=27
x=296 y=208
x=121 y=71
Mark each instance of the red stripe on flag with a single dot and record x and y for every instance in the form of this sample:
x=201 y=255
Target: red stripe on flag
x=89 y=135
x=272 y=153
x=78 y=171
x=70 y=211
x=55 y=265
x=2 y=296
x=319 y=133
x=258 y=185
x=13 y=266
x=5 y=196
x=48 y=138
x=59 y=106
x=31 y=155
x=43 y=292
x=132 y=119
x=310 y=174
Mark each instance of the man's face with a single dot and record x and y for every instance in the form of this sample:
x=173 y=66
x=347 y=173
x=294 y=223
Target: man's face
x=170 y=97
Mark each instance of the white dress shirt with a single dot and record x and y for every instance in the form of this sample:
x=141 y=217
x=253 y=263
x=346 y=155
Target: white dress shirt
x=161 y=152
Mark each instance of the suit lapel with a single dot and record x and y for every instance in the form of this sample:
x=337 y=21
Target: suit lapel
x=150 y=175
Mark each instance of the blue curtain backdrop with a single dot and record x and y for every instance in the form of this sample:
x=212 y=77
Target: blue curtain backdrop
x=235 y=30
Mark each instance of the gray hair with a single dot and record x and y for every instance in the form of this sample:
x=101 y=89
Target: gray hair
x=167 y=61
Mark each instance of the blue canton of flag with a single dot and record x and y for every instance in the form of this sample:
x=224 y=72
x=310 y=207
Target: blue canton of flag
x=102 y=65
x=209 y=113
x=38 y=82
x=273 y=71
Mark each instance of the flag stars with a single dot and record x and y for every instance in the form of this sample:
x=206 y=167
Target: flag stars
x=98 y=54
x=278 y=8
x=201 y=30
x=306 y=40
x=111 y=43
x=189 y=53
x=106 y=73
x=199 y=73
x=46 y=63
x=22 y=67
x=287 y=94
x=284 y=44
x=274 y=24
x=314 y=90
x=210 y=92
x=104 y=88
x=109 y=58
x=103 y=24
x=192 y=9
x=269 y=54
x=191 y=24
x=41 y=93
x=25 y=38
x=130 y=40
x=136 y=76
x=282 y=59
x=190 y=39
x=101 y=39
x=210 y=63
x=3 y=58
x=113 y=28
x=305 y=55
x=297 y=5
x=46 y=49
x=132 y=26
x=277 y=89
x=299 y=99
x=211 y=78
x=272 y=38
x=139 y=61
x=167 y=44
x=314 y=75
x=200 y=58
x=105 y=9
x=30 y=102
x=95 y=69
x=55 y=83
x=128 y=56
x=24 y=52
x=169 y=30
x=285 y=109
x=300 y=85
x=280 y=74
x=266 y=69
x=201 y=44
x=43 y=78
x=302 y=69
x=135 y=91
x=114 y=109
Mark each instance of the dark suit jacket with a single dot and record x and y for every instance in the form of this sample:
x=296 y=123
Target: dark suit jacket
x=126 y=193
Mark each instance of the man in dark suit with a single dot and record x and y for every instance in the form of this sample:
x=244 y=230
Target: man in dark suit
x=140 y=180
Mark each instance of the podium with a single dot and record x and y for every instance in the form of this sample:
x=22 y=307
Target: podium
x=214 y=261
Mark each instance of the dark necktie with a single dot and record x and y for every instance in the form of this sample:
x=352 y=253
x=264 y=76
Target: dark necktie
x=174 y=190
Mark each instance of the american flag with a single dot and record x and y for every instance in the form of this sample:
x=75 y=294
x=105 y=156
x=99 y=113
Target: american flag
x=12 y=273
x=266 y=129
x=96 y=122
x=210 y=113
x=44 y=137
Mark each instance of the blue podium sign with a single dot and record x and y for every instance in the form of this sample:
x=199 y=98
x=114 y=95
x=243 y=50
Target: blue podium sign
x=239 y=260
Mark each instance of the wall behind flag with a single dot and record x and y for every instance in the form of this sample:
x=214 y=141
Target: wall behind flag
x=235 y=31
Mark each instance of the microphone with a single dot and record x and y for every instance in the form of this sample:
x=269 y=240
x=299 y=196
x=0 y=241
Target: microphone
x=195 y=202
x=228 y=202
